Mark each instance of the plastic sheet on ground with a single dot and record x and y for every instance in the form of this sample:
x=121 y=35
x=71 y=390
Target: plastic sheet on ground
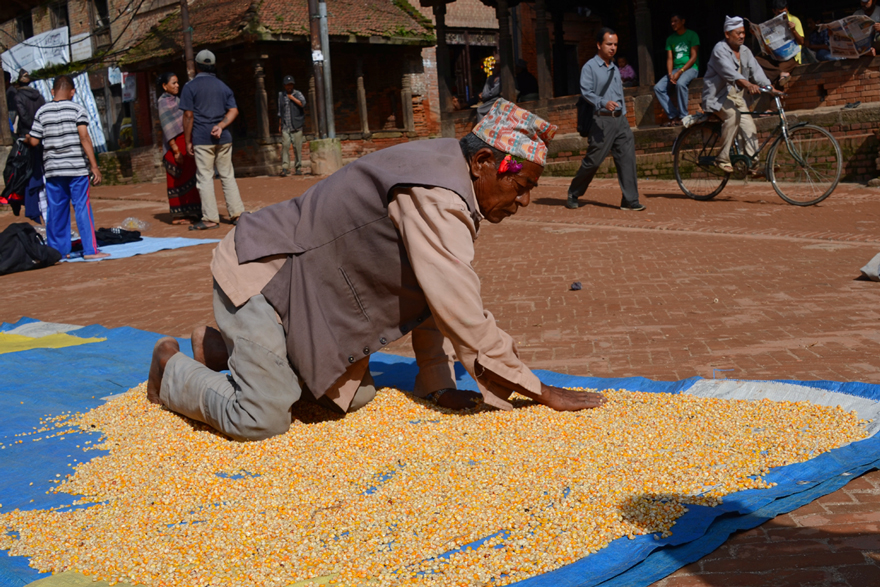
x=145 y=246
x=42 y=382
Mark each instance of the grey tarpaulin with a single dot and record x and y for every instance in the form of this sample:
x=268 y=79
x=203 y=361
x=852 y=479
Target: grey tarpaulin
x=872 y=269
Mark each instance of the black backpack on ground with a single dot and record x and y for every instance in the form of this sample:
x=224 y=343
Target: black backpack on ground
x=21 y=248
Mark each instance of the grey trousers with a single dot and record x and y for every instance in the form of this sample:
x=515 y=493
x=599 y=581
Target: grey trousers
x=288 y=137
x=253 y=402
x=612 y=136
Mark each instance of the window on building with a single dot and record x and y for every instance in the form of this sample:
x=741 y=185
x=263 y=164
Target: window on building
x=24 y=27
x=60 y=17
x=100 y=14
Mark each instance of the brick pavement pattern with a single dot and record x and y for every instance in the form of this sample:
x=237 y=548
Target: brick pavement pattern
x=745 y=284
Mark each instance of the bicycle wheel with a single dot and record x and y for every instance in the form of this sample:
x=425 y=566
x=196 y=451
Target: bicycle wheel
x=694 y=152
x=805 y=169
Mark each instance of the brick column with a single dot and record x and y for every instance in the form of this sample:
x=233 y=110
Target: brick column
x=5 y=133
x=447 y=127
x=560 y=69
x=643 y=33
x=505 y=48
x=362 y=100
x=262 y=102
x=542 y=48
x=406 y=101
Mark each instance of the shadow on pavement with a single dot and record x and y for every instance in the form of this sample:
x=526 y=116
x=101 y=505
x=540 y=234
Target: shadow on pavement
x=751 y=550
x=561 y=202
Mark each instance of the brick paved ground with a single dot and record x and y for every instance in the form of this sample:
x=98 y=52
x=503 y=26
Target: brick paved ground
x=744 y=283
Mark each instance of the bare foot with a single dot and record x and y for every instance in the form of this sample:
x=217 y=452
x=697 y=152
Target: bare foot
x=166 y=347
x=96 y=256
x=181 y=221
x=209 y=349
x=568 y=400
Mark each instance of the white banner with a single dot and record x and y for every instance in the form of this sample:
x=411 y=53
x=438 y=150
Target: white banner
x=49 y=48
x=81 y=47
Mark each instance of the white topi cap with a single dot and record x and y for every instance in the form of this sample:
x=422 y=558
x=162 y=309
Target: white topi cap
x=732 y=23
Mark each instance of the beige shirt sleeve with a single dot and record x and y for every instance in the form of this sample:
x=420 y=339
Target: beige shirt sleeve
x=438 y=233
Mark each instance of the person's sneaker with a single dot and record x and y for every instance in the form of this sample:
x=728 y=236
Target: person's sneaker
x=633 y=207
x=572 y=203
x=283 y=173
x=298 y=172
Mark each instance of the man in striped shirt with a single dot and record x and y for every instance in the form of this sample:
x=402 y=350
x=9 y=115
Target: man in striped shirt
x=68 y=158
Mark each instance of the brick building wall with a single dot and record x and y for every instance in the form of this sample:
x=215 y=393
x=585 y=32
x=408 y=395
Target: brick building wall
x=125 y=27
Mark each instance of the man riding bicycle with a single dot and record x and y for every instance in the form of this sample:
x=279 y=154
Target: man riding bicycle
x=731 y=72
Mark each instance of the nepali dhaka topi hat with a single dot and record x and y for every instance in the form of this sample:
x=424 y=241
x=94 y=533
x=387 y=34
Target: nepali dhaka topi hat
x=516 y=131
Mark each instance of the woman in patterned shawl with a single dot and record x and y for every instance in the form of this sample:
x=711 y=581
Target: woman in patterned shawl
x=183 y=196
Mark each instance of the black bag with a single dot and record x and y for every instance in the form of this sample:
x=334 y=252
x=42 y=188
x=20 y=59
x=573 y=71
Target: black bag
x=18 y=170
x=21 y=248
x=116 y=236
x=585 y=116
x=585 y=111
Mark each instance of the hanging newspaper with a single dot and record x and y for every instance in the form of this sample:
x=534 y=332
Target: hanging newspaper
x=850 y=37
x=776 y=38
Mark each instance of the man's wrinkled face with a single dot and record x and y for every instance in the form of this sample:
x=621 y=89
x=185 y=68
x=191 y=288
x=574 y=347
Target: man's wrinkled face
x=736 y=38
x=500 y=195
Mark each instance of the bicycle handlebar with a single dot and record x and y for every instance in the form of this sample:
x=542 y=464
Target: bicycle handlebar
x=771 y=90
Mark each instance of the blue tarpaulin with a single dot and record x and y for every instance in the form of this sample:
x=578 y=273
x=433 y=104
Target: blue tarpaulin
x=48 y=382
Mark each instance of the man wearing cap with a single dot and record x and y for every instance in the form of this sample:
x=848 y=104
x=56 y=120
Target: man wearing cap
x=208 y=109
x=731 y=72
x=306 y=290
x=610 y=133
x=291 y=118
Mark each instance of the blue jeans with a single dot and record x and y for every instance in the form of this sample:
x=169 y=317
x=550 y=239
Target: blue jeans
x=825 y=55
x=60 y=192
x=663 y=89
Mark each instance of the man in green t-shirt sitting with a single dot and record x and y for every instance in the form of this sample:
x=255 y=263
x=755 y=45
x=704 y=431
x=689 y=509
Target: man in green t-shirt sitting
x=682 y=48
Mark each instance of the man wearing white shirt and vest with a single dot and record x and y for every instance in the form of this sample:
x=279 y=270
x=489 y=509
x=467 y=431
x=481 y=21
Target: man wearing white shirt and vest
x=306 y=290
x=610 y=133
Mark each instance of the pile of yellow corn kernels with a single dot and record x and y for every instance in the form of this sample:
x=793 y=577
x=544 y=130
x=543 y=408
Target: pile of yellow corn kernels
x=395 y=492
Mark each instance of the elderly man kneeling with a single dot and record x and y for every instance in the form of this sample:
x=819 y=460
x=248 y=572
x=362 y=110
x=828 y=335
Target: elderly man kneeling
x=306 y=290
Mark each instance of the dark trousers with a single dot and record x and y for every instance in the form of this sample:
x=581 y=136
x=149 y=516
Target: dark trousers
x=609 y=136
